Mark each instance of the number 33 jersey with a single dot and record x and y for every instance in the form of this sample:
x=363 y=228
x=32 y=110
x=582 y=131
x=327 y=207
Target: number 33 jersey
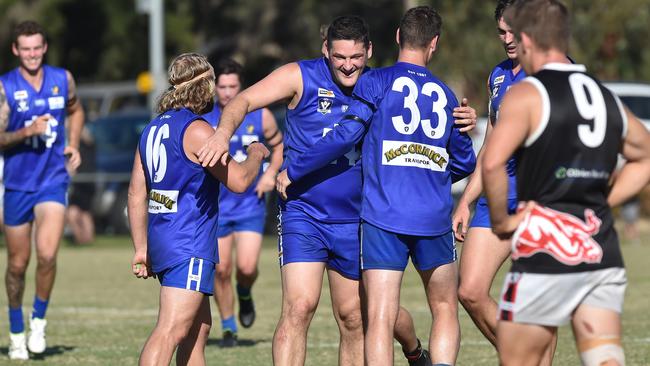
x=39 y=160
x=411 y=151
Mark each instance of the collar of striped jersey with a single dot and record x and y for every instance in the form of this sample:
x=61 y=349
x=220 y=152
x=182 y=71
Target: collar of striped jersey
x=564 y=67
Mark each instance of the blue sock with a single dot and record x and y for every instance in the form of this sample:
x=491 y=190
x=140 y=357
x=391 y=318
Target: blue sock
x=40 y=307
x=243 y=292
x=16 y=324
x=229 y=324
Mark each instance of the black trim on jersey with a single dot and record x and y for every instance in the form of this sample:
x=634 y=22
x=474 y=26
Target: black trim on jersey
x=352 y=117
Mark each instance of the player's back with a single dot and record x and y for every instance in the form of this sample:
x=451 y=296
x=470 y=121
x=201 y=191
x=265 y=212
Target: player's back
x=567 y=162
x=330 y=194
x=407 y=150
x=42 y=154
x=245 y=204
x=183 y=196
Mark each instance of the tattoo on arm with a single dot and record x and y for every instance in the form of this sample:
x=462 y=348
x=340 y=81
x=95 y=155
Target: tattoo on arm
x=8 y=139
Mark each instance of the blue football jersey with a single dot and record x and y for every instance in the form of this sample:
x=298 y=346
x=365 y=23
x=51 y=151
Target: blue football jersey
x=500 y=80
x=332 y=193
x=408 y=149
x=183 y=197
x=233 y=206
x=39 y=160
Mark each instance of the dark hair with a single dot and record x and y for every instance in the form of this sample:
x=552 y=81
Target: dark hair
x=502 y=5
x=546 y=22
x=28 y=28
x=228 y=66
x=349 y=28
x=192 y=84
x=419 y=26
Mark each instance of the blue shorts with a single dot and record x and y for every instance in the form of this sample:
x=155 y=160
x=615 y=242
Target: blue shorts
x=482 y=212
x=302 y=238
x=194 y=274
x=252 y=223
x=381 y=249
x=19 y=205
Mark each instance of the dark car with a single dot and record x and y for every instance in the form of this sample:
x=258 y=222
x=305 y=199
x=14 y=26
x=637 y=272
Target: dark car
x=116 y=138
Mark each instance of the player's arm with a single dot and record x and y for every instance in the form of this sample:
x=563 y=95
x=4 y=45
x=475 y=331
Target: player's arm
x=474 y=187
x=520 y=112
x=76 y=116
x=635 y=174
x=237 y=177
x=285 y=83
x=11 y=138
x=273 y=137
x=137 y=211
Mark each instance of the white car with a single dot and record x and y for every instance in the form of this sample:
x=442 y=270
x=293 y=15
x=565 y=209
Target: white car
x=636 y=96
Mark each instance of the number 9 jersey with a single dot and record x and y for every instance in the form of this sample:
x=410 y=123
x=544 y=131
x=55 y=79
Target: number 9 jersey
x=412 y=151
x=39 y=161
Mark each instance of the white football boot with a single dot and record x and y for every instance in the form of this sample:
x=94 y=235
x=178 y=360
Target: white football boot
x=36 y=339
x=18 y=347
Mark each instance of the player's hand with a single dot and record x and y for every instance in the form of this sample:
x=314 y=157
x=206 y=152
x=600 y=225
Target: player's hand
x=506 y=227
x=460 y=221
x=259 y=149
x=140 y=265
x=215 y=149
x=39 y=126
x=465 y=115
x=265 y=184
x=282 y=182
x=73 y=159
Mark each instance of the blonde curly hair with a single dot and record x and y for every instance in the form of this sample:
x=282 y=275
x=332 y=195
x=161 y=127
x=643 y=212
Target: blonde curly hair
x=192 y=85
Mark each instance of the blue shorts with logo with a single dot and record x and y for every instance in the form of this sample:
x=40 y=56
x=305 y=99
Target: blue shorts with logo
x=381 y=249
x=252 y=223
x=193 y=274
x=482 y=212
x=19 y=205
x=302 y=238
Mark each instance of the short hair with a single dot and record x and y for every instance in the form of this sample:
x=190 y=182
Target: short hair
x=192 y=85
x=502 y=5
x=419 y=26
x=546 y=22
x=349 y=28
x=228 y=66
x=28 y=28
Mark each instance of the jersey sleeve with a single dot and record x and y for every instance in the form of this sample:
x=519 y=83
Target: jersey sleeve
x=462 y=159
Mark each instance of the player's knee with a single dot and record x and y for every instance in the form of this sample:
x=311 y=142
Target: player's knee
x=247 y=272
x=604 y=352
x=300 y=311
x=46 y=261
x=224 y=271
x=469 y=297
x=17 y=266
x=351 y=321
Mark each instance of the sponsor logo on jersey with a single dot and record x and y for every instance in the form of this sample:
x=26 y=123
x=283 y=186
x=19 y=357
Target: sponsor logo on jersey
x=578 y=173
x=22 y=106
x=250 y=129
x=20 y=94
x=324 y=105
x=39 y=102
x=325 y=93
x=495 y=91
x=56 y=102
x=163 y=201
x=55 y=90
x=499 y=79
x=563 y=236
x=249 y=139
x=344 y=108
x=414 y=154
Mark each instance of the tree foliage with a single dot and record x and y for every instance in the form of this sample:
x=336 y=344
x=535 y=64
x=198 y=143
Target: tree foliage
x=107 y=40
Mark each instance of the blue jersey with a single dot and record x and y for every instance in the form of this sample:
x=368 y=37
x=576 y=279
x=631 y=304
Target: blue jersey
x=332 y=193
x=39 y=160
x=500 y=80
x=411 y=150
x=183 y=197
x=233 y=206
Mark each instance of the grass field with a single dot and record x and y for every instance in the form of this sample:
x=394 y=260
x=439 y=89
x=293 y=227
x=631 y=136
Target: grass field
x=101 y=315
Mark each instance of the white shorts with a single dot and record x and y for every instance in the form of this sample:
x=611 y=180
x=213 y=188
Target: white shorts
x=551 y=299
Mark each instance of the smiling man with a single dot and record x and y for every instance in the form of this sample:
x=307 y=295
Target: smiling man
x=35 y=100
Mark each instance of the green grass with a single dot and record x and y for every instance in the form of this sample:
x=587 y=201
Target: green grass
x=101 y=315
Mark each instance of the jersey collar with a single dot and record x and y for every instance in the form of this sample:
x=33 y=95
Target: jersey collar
x=556 y=66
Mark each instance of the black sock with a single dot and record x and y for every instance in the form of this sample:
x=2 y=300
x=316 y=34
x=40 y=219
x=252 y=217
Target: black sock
x=415 y=354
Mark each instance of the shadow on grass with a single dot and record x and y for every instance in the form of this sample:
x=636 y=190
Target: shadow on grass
x=49 y=351
x=241 y=342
